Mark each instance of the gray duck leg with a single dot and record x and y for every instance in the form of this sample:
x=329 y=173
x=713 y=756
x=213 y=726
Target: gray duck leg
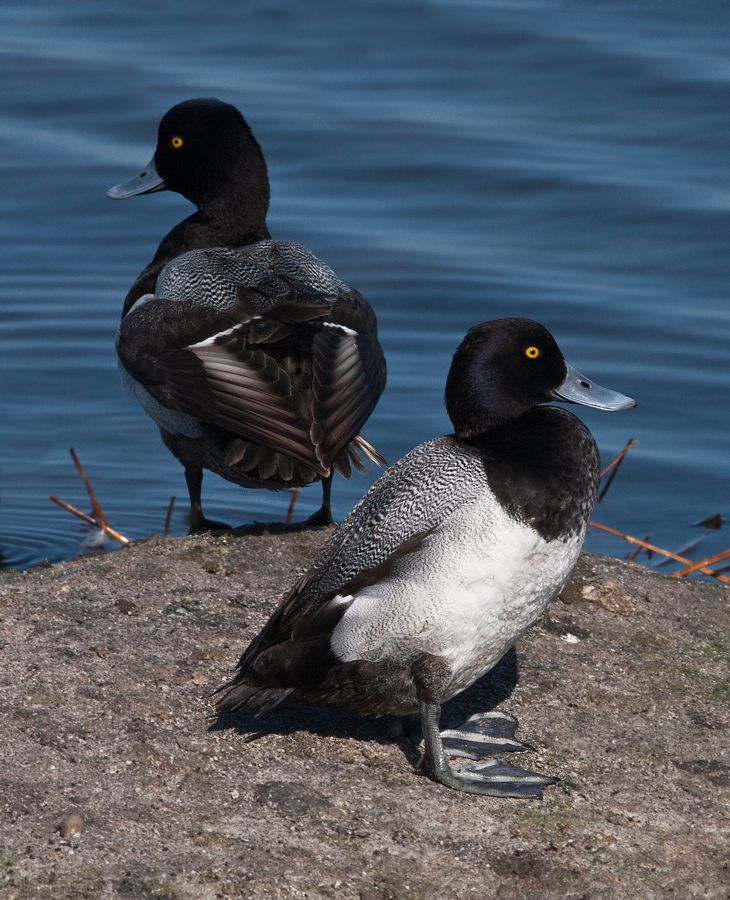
x=323 y=516
x=196 y=519
x=492 y=777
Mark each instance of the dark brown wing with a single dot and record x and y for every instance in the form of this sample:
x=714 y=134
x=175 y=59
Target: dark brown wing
x=292 y=654
x=237 y=386
x=272 y=349
x=348 y=377
x=221 y=366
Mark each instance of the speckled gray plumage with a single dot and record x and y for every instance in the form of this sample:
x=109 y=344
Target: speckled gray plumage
x=437 y=477
x=414 y=496
x=411 y=498
x=275 y=269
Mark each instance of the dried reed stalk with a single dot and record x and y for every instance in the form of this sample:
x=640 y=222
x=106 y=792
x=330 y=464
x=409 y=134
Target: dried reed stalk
x=614 y=465
x=292 y=504
x=107 y=529
x=99 y=519
x=170 y=507
x=699 y=567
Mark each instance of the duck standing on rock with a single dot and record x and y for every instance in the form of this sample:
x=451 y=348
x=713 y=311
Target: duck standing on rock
x=451 y=555
x=253 y=358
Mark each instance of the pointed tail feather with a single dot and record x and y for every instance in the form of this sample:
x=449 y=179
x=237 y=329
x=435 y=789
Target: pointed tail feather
x=254 y=697
x=368 y=451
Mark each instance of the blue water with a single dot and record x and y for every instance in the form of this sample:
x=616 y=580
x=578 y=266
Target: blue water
x=456 y=161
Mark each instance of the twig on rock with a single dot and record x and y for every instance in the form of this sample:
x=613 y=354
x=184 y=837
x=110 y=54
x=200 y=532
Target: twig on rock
x=170 y=507
x=107 y=529
x=639 y=549
x=96 y=509
x=699 y=567
x=98 y=519
x=292 y=504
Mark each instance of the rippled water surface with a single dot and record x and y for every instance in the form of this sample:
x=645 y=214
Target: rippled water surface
x=455 y=161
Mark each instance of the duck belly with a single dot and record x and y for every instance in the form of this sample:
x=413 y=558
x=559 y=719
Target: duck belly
x=173 y=421
x=466 y=595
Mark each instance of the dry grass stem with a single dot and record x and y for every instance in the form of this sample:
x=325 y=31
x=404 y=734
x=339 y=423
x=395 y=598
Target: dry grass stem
x=613 y=468
x=98 y=518
x=107 y=529
x=292 y=504
x=96 y=509
x=616 y=461
x=698 y=567
x=639 y=549
x=168 y=517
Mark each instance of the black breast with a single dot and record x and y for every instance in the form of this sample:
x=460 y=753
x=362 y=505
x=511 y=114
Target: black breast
x=543 y=468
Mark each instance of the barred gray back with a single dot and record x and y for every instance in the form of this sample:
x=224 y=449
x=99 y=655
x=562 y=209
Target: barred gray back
x=213 y=275
x=414 y=496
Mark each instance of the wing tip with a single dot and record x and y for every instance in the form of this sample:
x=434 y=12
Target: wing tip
x=368 y=451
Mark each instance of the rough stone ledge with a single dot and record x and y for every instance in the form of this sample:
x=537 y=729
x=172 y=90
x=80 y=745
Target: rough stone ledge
x=111 y=784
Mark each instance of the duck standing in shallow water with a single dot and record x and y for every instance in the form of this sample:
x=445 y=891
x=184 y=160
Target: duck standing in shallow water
x=253 y=358
x=451 y=555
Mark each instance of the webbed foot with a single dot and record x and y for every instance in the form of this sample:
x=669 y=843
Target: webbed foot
x=494 y=778
x=483 y=734
x=480 y=735
x=323 y=516
x=200 y=525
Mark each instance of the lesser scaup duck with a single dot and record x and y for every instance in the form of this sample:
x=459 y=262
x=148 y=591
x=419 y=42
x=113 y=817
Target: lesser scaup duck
x=253 y=358
x=451 y=555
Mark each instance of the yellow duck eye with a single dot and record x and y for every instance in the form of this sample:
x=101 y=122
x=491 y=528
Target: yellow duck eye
x=532 y=352
x=176 y=142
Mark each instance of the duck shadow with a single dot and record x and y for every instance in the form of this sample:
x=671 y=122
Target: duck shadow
x=484 y=695
x=258 y=528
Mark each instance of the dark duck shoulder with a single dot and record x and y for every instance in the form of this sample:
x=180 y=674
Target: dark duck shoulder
x=253 y=358
x=543 y=469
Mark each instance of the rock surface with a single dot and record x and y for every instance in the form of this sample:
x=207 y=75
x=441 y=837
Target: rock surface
x=116 y=781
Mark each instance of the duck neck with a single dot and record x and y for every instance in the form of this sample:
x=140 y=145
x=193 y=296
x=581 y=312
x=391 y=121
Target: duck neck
x=478 y=423
x=512 y=434
x=475 y=406
x=219 y=222
x=543 y=467
x=235 y=216
x=217 y=225
x=231 y=217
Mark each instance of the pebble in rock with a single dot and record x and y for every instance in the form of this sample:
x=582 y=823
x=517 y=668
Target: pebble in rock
x=71 y=826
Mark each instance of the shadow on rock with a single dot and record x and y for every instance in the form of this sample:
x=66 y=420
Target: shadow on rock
x=275 y=528
x=291 y=717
